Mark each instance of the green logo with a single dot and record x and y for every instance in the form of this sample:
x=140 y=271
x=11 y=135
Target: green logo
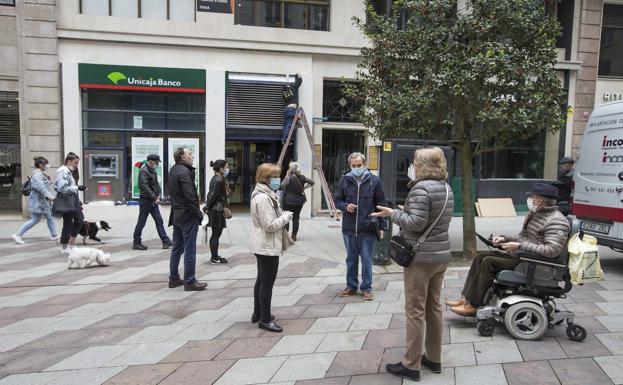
x=116 y=76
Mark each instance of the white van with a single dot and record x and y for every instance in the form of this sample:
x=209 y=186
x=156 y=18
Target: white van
x=598 y=177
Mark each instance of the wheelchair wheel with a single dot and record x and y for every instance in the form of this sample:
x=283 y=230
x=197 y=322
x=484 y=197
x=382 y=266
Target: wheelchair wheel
x=485 y=327
x=576 y=333
x=526 y=321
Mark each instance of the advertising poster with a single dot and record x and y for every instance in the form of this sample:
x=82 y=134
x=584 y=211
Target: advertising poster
x=193 y=145
x=141 y=147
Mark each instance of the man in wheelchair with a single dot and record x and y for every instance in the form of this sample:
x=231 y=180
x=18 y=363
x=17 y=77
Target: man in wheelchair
x=545 y=231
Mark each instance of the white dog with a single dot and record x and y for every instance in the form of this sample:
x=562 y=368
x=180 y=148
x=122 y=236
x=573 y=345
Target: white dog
x=86 y=256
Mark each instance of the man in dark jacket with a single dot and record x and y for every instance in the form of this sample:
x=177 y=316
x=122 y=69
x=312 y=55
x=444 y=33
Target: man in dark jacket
x=544 y=232
x=290 y=96
x=357 y=196
x=564 y=183
x=148 y=203
x=185 y=218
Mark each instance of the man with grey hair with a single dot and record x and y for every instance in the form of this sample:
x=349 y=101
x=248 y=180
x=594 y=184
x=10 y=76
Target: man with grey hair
x=357 y=195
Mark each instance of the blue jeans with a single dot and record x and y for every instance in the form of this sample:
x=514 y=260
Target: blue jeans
x=184 y=241
x=288 y=117
x=147 y=207
x=360 y=245
x=34 y=219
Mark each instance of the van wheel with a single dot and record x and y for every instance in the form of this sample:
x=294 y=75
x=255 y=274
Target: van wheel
x=526 y=321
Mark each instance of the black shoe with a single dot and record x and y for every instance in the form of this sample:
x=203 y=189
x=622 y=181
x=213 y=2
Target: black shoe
x=195 y=286
x=401 y=371
x=173 y=283
x=270 y=326
x=219 y=261
x=256 y=317
x=139 y=246
x=435 y=367
x=167 y=245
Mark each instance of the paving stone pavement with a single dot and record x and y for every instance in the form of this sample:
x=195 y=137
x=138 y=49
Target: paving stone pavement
x=120 y=324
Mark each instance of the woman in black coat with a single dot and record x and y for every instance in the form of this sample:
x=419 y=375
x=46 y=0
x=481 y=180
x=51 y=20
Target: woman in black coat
x=216 y=202
x=294 y=198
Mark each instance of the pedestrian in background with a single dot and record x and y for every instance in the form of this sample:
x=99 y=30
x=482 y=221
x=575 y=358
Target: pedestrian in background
x=39 y=201
x=423 y=278
x=216 y=203
x=149 y=198
x=293 y=186
x=66 y=186
x=185 y=218
x=268 y=235
x=357 y=195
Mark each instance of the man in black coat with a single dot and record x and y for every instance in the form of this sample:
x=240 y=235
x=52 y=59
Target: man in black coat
x=185 y=218
x=148 y=203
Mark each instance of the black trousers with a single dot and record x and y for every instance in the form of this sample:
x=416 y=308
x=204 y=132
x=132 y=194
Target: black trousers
x=72 y=222
x=296 y=216
x=482 y=273
x=267 y=266
x=214 y=240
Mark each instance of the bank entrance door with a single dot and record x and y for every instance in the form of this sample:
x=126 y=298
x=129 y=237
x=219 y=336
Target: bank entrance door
x=244 y=157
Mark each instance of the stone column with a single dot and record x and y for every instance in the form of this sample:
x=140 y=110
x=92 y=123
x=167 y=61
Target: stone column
x=39 y=92
x=588 y=53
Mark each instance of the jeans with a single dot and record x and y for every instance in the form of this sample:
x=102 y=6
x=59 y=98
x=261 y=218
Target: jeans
x=288 y=117
x=184 y=241
x=149 y=207
x=214 y=240
x=359 y=245
x=267 y=266
x=72 y=222
x=296 y=216
x=34 y=219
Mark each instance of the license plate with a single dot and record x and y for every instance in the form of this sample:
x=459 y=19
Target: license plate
x=595 y=227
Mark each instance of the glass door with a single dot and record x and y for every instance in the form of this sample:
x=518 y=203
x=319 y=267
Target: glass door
x=244 y=157
x=234 y=155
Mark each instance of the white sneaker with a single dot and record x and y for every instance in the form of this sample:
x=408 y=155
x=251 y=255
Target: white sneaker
x=55 y=238
x=18 y=239
x=67 y=250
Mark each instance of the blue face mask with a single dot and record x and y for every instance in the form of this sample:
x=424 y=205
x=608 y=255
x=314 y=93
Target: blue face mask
x=226 y=172
x=275 y=183
x=357 y=171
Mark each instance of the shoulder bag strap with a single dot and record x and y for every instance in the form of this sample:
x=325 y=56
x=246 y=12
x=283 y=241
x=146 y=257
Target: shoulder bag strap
x=430 y=228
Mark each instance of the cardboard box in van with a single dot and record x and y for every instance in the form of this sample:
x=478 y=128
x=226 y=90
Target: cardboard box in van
x=598 y=177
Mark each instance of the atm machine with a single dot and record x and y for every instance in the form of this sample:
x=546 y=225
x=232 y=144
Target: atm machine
x=104 y=175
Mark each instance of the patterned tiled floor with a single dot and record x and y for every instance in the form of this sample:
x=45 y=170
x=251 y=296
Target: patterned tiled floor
x=121 y=325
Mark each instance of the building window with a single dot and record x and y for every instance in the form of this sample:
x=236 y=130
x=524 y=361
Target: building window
x=521 y=159
x=296 y=14
x=336 y=105
x=611 y=48
x=180 y=10
x=8 y=2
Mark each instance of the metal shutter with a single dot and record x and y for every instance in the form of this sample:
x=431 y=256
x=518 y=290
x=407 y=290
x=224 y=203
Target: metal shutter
x=256 y=105
x=9 y=118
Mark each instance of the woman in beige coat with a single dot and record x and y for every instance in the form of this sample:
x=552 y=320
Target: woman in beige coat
x=267 y=237
x=423 y=278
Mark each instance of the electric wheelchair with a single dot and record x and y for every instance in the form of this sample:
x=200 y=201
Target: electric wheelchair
x=523 y=299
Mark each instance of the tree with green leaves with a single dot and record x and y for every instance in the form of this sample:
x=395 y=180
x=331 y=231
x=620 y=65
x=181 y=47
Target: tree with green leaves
x=479 y=78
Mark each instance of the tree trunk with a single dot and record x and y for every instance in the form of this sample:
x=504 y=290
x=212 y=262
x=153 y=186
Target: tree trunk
x=466 y=156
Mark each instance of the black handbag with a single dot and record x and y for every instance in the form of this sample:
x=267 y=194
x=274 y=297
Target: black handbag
x=401 y=251
x=65 y=204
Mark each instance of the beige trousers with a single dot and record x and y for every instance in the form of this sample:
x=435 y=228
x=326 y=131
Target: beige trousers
x=423 y=312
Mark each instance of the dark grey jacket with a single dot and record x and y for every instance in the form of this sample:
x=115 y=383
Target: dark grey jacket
x=544 y=232
x=423 y=204
x=184 y=198
x=148 y=183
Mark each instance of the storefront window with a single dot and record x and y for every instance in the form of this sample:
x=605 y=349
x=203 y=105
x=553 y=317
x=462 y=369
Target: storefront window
x=337 y=106
x=103 y=139
x=10 y=151
x=521 y=159
x=180 y=10
x=124 y=8
x=296 y=14
x=611 y=49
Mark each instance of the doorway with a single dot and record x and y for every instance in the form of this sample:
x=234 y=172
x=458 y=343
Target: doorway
x=243 y=157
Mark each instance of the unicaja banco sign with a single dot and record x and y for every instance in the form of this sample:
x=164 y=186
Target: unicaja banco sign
x=141 y=78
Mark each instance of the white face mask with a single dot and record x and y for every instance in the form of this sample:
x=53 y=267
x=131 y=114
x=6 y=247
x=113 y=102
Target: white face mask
x=411 y=172
x=46 y=167
x=531 y=206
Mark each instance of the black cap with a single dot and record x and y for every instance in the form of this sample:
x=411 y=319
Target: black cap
x=153 y=157
x=545 y=190
x=566 y=159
